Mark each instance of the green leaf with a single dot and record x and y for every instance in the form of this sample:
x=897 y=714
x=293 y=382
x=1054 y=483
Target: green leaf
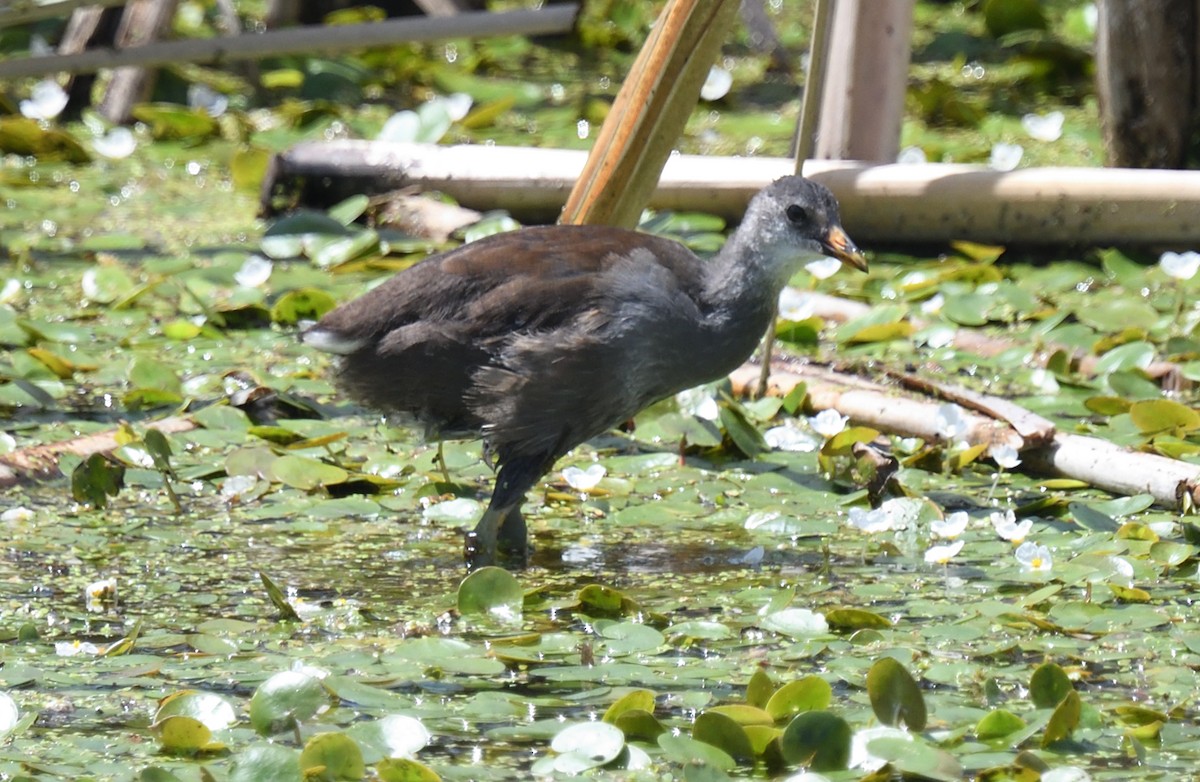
x=1064 y=720
x=856 y=619
x=744 y=434
x=1048 y=685
x=492 y=591
x=1090 y=518
x=302 y=472
x=895 y=695
x=724 y=733
x=997 y=724
x=95 y=479
x=641 y=700
x=812 y=693
x=278 y=598
x=266 y=763
x=819 y=739
x=303 y=304
x=285 y=700
x=336 y=755
x=1164 y=415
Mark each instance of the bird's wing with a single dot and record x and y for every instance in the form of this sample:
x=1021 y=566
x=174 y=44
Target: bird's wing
x=523 y=281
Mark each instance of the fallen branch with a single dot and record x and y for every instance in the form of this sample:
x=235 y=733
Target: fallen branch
x=839 y=310
x=40 y=462
x=1097 y=462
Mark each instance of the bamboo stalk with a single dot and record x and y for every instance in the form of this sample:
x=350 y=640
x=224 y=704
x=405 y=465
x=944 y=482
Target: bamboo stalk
x=309 y=40
x=649 y=113
x=889 y=203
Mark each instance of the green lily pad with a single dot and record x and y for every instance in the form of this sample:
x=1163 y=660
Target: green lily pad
x=819 y=739
x=492 y=591
x=1064 y=720
x=1048 y=685
x=285 y=699
x=812 y=693
x=724 y=733
x=895 y=695
x=336 y=755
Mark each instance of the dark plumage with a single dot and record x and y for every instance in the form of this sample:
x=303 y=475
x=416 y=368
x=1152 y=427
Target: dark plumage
x=539 y=339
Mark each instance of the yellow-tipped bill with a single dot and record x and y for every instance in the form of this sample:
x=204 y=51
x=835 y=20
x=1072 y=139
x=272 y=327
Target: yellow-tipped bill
x=837 y=245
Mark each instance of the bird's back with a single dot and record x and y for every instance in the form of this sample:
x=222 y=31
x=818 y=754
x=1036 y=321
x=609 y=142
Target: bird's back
x=417 y=343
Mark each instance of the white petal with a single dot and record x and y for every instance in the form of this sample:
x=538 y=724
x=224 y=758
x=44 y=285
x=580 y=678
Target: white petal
x=823 y=268
x=717 y=85
x=1181 y=266
x=1044 y=127
x=1005 y=157
x=115 y=144
x=46 y=101
x=254 y=272
x=582 y=480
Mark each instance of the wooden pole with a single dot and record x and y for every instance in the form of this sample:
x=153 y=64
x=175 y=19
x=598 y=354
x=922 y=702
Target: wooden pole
x=862 y=102
x=890 y=204
x=649 y=113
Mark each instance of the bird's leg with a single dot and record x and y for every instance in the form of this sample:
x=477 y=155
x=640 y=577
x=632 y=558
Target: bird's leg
x=768 y=347
x=440 y=461
x=502 y=521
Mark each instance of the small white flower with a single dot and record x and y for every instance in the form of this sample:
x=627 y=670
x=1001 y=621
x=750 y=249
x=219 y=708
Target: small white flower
x=73 y=648
x=1181 y=266
x=100 y=594
x=950 y=422
x=38 y=47
x=933 y=305
x=699 y=402
x=401 y=126
x=201 y=96
x=116 y=144
x=16 y=515
x=789 y=438
x=584 y=480
x=944 y=553
x=254 y=272
x=1044 y=381
x=717 y=85
x=950 y=527
x=1031 y=556
x=828 y=423
x=871 y=521
x=1005 y=157
x=1091 y=17
x=795 y=304
x=458 y=105
x=1004 y=455
x=46 y=101
x=8 y=292
x=1006 y=526
x=237 y=486
x=912 y=156
x=1044 y=127
x=823 y=268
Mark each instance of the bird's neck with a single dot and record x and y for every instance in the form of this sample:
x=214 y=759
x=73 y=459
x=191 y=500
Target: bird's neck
x=743 y=281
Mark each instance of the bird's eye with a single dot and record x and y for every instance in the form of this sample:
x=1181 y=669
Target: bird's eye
x=797 y=214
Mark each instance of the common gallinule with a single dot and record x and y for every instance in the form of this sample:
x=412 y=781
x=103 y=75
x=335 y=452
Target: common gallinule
x=539 y=339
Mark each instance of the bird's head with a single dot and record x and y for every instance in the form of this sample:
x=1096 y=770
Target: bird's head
x=795 y=220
